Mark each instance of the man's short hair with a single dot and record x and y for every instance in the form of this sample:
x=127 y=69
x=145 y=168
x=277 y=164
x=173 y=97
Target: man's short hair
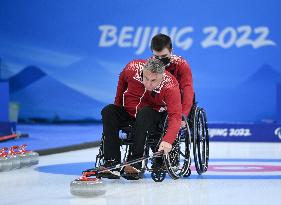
x=160 y=42
x=154 y=66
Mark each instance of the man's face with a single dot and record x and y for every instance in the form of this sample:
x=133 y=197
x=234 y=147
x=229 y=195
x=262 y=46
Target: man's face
x=165 y=53
x=151 y=80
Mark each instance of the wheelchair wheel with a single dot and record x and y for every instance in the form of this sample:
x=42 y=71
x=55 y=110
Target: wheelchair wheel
x=100 y=155
x=124 y=146
x=178 y=160
x=188 y=173
x=158 y=176
x=200 y=140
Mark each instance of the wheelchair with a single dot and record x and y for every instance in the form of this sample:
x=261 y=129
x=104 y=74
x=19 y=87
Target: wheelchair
x=193 y=137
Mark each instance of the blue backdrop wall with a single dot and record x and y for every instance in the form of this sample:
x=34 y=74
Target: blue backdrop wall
x=63 y=58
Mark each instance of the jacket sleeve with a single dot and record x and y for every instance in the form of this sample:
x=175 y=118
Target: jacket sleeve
x=173 y=103
x=121 y=88
x=186 y=86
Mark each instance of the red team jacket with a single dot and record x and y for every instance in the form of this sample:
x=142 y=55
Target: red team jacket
x=180 y=69
x=132 y=94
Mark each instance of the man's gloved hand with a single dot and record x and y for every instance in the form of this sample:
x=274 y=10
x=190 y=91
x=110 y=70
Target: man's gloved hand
x=167 y=147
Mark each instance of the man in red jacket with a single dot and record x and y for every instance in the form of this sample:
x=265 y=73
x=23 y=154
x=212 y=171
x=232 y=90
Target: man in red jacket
x=145 y=92
x=161 y=46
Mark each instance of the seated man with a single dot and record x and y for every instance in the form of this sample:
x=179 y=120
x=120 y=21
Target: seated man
x=145 y=91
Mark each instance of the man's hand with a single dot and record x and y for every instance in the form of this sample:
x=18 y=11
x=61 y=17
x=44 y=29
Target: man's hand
x=167 y=147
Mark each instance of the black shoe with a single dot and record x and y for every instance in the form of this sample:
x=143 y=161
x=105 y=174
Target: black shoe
x=133 y=172
x=109 y=174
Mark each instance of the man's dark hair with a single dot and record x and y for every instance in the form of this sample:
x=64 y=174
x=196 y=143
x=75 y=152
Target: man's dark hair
x=161 y=41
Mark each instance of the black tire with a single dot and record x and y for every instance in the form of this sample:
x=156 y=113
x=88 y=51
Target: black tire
x=203 y=142
x=200 y=140
x=158 y=176
x=188 y=173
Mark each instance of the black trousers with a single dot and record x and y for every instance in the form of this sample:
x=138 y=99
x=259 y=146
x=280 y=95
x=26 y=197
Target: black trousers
x=114 y=117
